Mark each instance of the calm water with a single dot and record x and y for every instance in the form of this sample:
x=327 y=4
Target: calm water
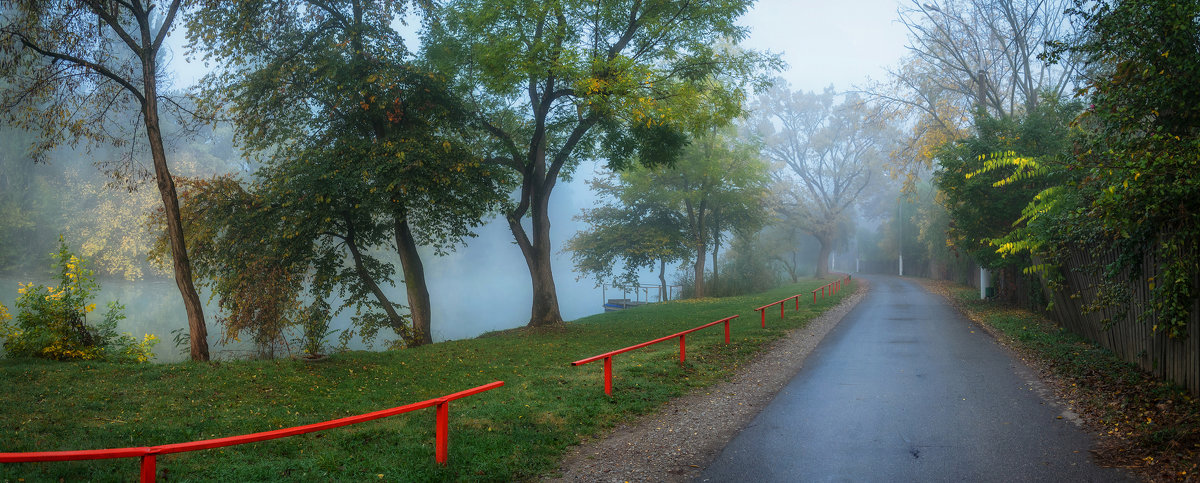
x=481 y=287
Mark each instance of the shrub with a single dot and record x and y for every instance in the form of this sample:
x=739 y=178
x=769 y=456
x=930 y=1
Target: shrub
x=52 y=321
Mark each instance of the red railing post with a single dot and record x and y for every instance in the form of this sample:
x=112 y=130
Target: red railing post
x=682 y=348
x=442 y=432
x=781 y=308
x=814 y=296
x=797 y=297
x=763 y=312
x=148 y=469
x=608 y=376
x=726 y=331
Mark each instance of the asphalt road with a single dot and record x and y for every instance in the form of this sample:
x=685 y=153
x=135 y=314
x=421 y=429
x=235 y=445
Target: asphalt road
x=906 y=389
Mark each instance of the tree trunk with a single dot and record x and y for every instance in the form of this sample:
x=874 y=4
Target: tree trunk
x=826 y=242
x=414 y=281
x=716 y=285
x=701 y=253
x=792 y=267
x=544 y=310
x=663 y=291
x=394 y=318
x=197 y=331
x=716 y=227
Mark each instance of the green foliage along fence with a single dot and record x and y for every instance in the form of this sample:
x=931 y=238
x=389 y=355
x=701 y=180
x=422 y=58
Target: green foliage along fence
x=1121 y=320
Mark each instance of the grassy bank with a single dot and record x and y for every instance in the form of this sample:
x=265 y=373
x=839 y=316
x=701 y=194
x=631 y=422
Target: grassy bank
x=517 y=432
x=1148 y=425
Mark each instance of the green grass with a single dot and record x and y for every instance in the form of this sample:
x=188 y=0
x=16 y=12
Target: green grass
x=519 y=431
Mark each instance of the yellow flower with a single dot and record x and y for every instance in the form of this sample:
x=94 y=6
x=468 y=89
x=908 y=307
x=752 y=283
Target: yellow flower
x=90 y=308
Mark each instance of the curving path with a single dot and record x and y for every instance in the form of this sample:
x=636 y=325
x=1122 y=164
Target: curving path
x=906 y=389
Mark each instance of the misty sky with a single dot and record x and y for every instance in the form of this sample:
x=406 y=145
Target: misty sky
x=824 y=42
x=828 y=42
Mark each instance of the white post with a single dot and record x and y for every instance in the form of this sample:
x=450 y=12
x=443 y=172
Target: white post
x=983 y=283
x=900 y=238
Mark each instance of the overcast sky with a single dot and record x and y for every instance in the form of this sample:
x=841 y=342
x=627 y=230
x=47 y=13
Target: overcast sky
x=828 y=42
x=824 y=42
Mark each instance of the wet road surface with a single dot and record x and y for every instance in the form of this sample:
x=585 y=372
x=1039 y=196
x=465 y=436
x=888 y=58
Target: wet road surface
x=906 y=389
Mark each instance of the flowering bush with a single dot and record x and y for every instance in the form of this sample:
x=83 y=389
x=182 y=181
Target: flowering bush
x=52 y=321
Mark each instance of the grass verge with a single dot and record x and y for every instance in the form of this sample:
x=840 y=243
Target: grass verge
x=516 y=432
x=1150 y=426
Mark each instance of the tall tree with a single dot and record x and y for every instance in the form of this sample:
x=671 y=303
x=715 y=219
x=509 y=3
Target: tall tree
x=362 y=148
x=634 y=228
x=973 y=54
x=73 y=70
x=827 y=154
x=557 y=81
x=717 y=172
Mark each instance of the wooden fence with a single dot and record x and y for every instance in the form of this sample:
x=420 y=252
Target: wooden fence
x=1130 y=334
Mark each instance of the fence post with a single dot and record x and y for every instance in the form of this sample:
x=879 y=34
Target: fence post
x=797 y=297
x=608 y=375
x=781 y=309
x=726 y=331
x=148 y=469
x=682 y=348
x=443 y=432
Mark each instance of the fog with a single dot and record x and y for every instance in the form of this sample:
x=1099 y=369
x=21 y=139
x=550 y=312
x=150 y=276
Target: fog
x=485 y=285
x=480 y=287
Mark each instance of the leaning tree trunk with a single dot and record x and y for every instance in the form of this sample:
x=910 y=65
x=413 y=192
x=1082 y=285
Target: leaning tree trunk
x=394 y=319
x=197 y=331
x=414 y=282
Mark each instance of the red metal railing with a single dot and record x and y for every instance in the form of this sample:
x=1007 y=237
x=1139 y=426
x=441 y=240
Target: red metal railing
x=831 y=287
x=762 y=311
x=147 y=454
x=607 y=356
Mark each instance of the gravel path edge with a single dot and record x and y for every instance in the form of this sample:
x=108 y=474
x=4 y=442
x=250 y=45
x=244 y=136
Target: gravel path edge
x=678 y=441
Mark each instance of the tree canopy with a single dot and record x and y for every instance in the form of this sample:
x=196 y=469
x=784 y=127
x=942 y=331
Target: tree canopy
x=361 y=148
x=826 y=153
x=554 y=82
